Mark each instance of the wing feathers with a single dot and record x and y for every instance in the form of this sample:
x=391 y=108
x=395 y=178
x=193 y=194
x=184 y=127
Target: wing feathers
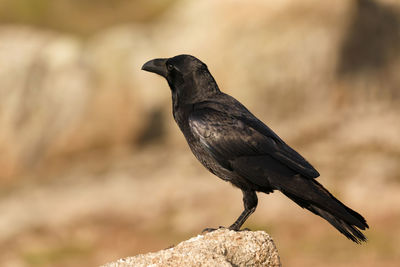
x=231 y=137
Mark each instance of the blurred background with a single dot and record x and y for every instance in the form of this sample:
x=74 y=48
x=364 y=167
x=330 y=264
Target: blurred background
x=93 y=167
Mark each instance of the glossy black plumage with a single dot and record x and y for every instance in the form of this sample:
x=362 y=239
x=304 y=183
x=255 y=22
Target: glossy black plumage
x=237 y=147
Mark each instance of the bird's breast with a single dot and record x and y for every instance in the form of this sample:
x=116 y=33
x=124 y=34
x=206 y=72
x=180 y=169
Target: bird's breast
x=199 y=149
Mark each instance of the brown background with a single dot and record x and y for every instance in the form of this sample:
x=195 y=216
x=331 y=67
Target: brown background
x=93 y=168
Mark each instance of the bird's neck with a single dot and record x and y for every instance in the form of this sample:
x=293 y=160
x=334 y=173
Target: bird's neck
x=198 y=88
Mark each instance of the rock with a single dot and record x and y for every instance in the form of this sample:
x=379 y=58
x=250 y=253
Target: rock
x=222 y=247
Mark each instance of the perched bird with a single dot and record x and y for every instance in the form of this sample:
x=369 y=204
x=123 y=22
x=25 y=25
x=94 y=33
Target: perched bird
x=239 y=148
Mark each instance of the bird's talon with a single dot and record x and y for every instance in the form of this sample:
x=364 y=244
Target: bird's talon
x=209 y=230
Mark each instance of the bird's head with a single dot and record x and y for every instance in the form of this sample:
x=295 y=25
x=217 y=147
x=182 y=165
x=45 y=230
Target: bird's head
x=188 y=77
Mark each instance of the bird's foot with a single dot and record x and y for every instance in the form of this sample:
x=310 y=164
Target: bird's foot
x=235 y=227
x=239 y=230
x=209 y=230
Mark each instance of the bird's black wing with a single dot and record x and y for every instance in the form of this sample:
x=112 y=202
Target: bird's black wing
x=229 y=136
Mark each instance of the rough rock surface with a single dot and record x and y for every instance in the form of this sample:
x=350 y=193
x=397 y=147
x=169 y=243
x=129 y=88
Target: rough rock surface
x=219 y=248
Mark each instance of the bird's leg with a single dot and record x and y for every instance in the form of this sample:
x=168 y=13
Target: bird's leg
x=250 y=202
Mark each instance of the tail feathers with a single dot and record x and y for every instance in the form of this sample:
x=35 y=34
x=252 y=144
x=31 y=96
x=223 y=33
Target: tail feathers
x=360 y=221
x=319 y=201
x=349 y=230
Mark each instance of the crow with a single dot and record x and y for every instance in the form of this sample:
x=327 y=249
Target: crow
x=239 y=148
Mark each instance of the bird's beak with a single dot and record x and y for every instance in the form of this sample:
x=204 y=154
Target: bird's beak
x=157 y=66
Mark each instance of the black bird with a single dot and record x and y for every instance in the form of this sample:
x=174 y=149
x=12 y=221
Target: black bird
x=239 y=148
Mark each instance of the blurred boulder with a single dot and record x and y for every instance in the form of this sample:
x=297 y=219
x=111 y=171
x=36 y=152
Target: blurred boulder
x=372 y=39
x=44 y=88
x=369 y=55
x=60 y=96
x=219 y=248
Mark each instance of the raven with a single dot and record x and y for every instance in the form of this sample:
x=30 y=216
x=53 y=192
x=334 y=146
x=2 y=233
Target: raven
x=239 y=148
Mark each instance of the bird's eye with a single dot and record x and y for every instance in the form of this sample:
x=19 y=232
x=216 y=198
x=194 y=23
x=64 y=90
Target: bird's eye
x=170 y=67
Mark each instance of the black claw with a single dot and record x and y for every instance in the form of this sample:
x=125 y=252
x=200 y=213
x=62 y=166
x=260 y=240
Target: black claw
x=235 y=228
x=209 y=230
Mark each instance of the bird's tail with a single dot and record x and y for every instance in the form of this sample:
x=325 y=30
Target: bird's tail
x=311 y=195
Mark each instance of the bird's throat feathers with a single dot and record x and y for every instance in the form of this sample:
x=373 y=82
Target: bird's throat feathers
x=193 y=87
